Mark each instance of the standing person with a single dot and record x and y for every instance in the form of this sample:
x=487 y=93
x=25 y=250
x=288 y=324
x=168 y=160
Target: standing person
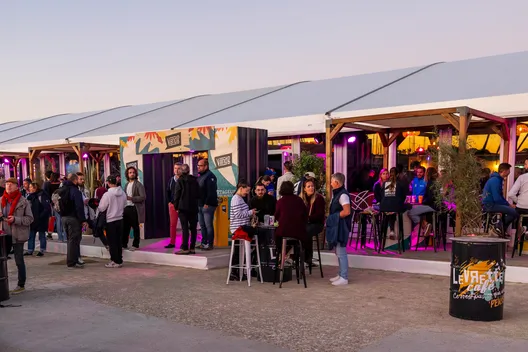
x=287 y=176
x=316 y=206
x=41 y=210
x=25 y=187
x=338 y=226
x=173 y=212
x=186 y=197
x=263 y=202
x=207 y=204
x=99 y=189
x=17 y=218
x=494 y=202
x=113 y=203
x=47 y=183
x=134 y=213
x=53 y=185
x=68 y=201
x=519 y=195
x=418 y=184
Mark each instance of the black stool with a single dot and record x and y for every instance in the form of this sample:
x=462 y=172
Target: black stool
x=374 y=229
x=316 y=239
x=298 y=252
x=519 y=235
x=383 y=233
x=435 y=235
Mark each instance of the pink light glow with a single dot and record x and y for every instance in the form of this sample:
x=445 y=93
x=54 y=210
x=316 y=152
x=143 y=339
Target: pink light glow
x=6 y=161
x=85 y=156
x=351 y=139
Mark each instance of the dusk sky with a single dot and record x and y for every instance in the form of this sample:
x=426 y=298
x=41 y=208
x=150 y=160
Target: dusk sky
x=60 y=56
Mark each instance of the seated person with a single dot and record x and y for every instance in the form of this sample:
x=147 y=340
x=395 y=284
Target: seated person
x=519 y=195
x=493 y=200
x=429 y=204
x=263 y=202
x=270 y=187
x=418 y=183
x=393 y=199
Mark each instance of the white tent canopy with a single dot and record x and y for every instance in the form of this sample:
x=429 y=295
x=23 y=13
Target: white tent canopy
x=497 y=84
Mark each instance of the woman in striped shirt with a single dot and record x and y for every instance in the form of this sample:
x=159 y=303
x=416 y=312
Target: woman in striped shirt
x=240 y=214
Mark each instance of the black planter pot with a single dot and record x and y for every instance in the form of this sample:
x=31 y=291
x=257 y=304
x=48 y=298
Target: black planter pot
x=478 y=269
x=4 y=282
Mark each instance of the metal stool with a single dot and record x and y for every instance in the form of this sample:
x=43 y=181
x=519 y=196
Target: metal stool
x=435 y=235
x=519 y=235
x=244 y=261
x=316 y=239
x=299 y=261
x=374 y=229
x=385 y=226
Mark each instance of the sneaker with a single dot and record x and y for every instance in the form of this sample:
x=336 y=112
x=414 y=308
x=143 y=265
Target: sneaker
x=26 y=253
x=204 y=247
x=40 y=254
x=80 y=261
x=107 y=248
x=498 y=230
x=340 y=282
x=183 y=252
x=427 y=231
x=170 y=246
x=132 y=249
x=17 y=290
x=335 y=278
x=76 y=266
x=112 y=265
x=49 y=236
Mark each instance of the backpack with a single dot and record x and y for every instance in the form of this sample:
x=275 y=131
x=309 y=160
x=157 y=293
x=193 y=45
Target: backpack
x=61 y=201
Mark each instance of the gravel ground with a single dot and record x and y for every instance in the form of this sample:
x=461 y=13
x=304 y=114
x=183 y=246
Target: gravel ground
x=373 y=306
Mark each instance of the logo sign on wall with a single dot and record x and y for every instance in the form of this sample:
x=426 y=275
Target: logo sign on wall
x=173 y=140
x=225 y=160
x=133 y=164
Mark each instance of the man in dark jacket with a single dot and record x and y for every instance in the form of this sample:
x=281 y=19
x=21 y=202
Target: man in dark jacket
x=207 y=203
x=494 y=202
x=173 y=213
x=262 y=202
x=186 y=197
x=73 y=220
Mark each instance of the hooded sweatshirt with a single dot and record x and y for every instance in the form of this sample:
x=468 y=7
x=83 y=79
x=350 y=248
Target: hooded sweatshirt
x=113 y=202
x=492 y=193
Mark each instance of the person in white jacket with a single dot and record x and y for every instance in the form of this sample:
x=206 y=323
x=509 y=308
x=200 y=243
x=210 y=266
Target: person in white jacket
x=518 y=194
x=113 y=203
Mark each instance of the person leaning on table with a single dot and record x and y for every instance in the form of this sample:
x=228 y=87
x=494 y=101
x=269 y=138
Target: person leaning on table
x=16 y=220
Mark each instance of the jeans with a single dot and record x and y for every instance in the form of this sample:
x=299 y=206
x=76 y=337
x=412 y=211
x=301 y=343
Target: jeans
x=42 y=240
x=188 y=222
x=114 y=231
x=416 y=212
x=342 y=258
x=173 y=216
x=73 y=229
x=206 y=217
x=58 y=226
x=509 y=213
x=19 y=260
x=130 y=220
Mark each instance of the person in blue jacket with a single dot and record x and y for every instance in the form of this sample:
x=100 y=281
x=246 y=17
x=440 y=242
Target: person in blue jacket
x=493 y=199
x=338 y=226
x=419 y=184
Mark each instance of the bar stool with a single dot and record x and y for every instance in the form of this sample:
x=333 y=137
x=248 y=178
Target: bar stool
x=244 y=261
x=316 y=239
x=373 y=228
x=435 y=235
x=385 y=225
x=299 y=261
x=519 y=235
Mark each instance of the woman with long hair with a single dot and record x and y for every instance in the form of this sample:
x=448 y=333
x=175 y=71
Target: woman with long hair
x=378 y=191
x=393 y=198
x=315 y=205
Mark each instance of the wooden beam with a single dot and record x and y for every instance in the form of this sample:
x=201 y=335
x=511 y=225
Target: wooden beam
x=77 y=150
x=453 y=120
x=395 y=134
x=366 y=128
x=335 y=130
x=328 y=167
x=498 y=130
x=487 y=116
x=394 y=116
x=462 y=142
x=384 y=139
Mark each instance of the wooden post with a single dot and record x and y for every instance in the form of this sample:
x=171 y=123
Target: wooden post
x=328 y=161
x=462 y=142
x=78 y=151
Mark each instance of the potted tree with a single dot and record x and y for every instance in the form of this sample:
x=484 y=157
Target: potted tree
x=308 y=162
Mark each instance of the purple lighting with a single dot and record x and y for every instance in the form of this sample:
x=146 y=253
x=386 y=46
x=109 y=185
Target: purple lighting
x=85 y=156
x=286 y=153
x=6 y=161
x=351 y=139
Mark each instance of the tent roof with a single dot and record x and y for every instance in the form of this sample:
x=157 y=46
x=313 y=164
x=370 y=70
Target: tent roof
x=496 y=84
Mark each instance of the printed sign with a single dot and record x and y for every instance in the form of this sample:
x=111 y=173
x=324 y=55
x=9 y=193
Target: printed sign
x=480 y=280
x=225 y=160
x=173 y=140
x=133 y=164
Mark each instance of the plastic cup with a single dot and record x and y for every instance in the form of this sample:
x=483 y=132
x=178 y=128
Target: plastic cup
x=420 y=199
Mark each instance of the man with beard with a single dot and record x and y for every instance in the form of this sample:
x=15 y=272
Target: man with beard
x=186 y=197
x=207 y=204
x=262 y=202
x=134 y=213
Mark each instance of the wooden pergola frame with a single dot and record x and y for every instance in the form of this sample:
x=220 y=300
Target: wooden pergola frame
x=94 y=150
x=458 y=117
x=14 y=159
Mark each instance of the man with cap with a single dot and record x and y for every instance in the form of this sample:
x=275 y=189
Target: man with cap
x=113 y=203
x=16 y=220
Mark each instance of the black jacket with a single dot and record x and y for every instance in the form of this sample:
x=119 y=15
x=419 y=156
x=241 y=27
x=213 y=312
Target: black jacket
x=41 y=209
x=393 y=200
x=208 y=190
x=76 y=198
x=187 y=194
x=171 y=189
x=431 y=195
x=265 y=206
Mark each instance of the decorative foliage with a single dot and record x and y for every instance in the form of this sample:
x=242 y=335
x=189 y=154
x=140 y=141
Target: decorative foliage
x=459 y=184
x=308 y=162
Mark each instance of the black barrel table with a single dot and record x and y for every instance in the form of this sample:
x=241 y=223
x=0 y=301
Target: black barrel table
x=4 y=283
x=478 y=268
